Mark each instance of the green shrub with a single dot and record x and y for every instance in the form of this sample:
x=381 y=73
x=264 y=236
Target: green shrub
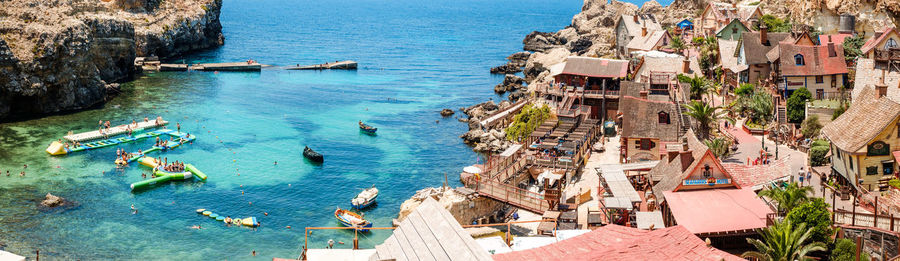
x=817 y=155
x=837 y=112
x=845 y=250
x=811 y=127
x=816 y=216
x=894 y=182
x=820 y=143
x=745 y=89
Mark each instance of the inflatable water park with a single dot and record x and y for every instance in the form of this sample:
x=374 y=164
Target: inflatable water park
x=102 y=138
x=161 y=176
x=248 y=221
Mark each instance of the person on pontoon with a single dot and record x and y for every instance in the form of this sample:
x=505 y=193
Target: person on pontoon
x=228 y=220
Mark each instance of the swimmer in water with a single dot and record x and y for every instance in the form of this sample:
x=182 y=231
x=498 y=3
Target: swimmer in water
x=197 y=227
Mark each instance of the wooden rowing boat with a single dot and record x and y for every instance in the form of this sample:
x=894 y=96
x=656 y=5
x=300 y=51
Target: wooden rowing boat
x=350 y=219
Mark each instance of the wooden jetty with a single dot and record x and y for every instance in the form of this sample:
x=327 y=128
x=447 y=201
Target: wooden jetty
x=172 y=67
x=239 y=66
x=114 y=130
x=338 y=65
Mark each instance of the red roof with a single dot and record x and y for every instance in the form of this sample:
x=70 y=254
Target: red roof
x=748 y=176
x=718 y=210
x=818 y=59
x=614 y=242
x=837 y=39
x=872 y=42
x=897 y=156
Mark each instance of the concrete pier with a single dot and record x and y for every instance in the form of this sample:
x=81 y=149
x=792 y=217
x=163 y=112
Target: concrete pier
x=339 y=65
x=239 y=66
x=172 y=67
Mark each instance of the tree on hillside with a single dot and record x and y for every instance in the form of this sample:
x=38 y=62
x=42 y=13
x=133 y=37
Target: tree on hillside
x=720 y=147
x=677 y=44
x=845 y=250
x=787 y=198
x=774 y=24
x=811 y=127
x=745 y=89
x=705 y=115
x=698 y=86
x=796 y=105
x=851 y=47
x=783 y=241
x=816 y=215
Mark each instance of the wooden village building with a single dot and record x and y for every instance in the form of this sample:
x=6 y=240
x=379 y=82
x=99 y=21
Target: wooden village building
x=587 y=87
x=629 y=27
x=697 y=191
x=717 y=15
x=865 y=141
x=821 y=69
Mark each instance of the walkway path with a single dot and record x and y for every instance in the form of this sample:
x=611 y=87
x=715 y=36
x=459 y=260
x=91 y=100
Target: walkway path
x=750 y=145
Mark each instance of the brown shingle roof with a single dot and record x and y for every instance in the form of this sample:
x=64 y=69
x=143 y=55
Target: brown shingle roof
x=640 y=119
x=756 y=51
x=596 y=67
x=670 y=170
x=873 y=42
x=818 y=60
x=862 y=122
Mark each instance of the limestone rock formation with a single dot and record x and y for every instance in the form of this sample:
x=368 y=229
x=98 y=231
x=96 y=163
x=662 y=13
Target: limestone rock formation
x=447 y=112
x=510 y=82
x=507 y=68
x=52 y=201
x=61 y=55
x=464 y=209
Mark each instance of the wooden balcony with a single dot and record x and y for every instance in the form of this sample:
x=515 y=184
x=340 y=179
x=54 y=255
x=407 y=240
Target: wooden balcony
x=887 y=55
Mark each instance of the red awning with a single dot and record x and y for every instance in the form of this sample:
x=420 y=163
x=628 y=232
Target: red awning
x=896 y=156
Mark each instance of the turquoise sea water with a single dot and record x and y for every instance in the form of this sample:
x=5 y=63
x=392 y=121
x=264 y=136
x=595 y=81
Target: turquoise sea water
x=416 y=58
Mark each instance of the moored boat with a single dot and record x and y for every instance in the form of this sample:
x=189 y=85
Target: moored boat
x=313 y=155
x=365 y=198
x=367 y=128
x=351 y=219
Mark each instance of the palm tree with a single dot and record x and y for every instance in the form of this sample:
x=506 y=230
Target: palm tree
x=698 y=85
x=720 y=147
x=782 y=241
x=788 y=197
x=705 y=116
x=677 y=44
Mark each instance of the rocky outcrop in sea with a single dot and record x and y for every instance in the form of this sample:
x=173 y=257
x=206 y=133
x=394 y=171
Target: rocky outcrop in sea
x=60 y=56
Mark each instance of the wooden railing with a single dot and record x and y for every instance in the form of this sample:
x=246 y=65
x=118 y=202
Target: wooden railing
x=512 y=195
x=510 y=171
x=890 y=223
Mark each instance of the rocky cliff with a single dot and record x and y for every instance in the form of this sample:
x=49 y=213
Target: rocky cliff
x=58 y=56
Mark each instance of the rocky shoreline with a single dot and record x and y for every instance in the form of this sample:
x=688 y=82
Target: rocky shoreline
x=64 y=56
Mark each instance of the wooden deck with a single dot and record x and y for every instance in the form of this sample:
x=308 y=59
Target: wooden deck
x=512 y=195
x=113 y=131
x=238 y=66
x=430 y=233
x=340 y=65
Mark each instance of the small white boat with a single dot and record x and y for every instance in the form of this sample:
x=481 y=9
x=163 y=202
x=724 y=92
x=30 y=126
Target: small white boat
x=365 y=198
